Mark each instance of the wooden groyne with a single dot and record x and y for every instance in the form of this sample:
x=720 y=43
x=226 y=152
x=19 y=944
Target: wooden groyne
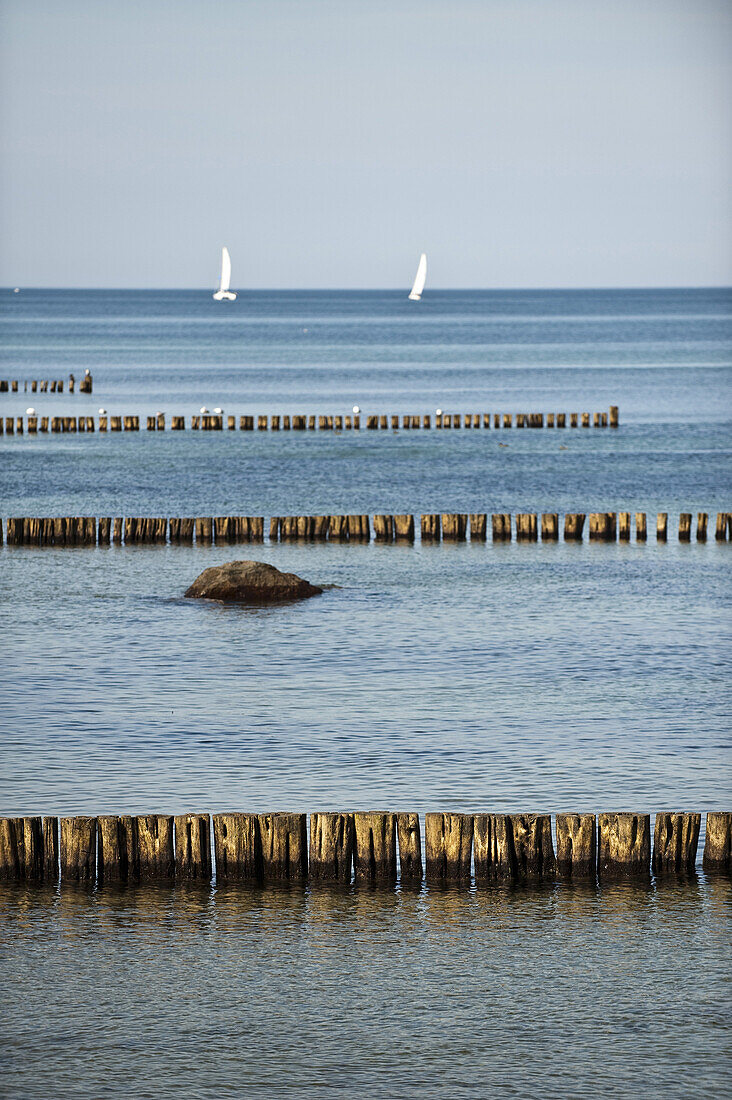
x=45 y=385
x=376 y=846
x=302 y=422
x=446 y=527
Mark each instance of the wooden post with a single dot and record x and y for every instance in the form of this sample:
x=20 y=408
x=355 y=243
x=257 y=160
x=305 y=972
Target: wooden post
x=410 y=847
x=12 y=849
x=237 y=847
x=624 y=526
x=284 y=844
x=720 y=531
x=641 y=531
x=661 y=526
x=478 y=526
x=549 y=526
x=624 y=844
x=574 y=523
x=526 y=527
x=117 y=531
x=718 y=843
x=430 y=528
x=193 y=846
x=550 y=420
x=448 y=846
x=507 y=419
x=453 y=527
x=320 y=527
x=204 y=529
x=577 y=845
x=701 y=527
x=404 y=528
x=338 y=528
x=383 y=529
x=50 y=849
x=685 y=527
x=117 y=849
x=675 y=841
x=585 y=420
x=151 y=423
x=374 y=849
x=501 y=525
x=331 y=846
x=77 y=847
x=614 y=416
x=155 y=846
x=513 y=846
x=383 y=423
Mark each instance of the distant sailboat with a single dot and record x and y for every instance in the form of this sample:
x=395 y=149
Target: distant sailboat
x=419 y=279
x=223 y=292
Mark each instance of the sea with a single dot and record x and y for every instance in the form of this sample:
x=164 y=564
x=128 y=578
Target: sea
x=475 y=677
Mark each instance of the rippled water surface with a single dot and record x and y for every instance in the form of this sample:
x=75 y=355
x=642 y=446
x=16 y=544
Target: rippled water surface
x=477 y=677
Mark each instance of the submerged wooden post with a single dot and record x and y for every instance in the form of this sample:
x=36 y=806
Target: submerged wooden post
x=478 y=526
x=430 y=527
x=383 y=528
x=374 y=849
x=77 y=848
x=549 y=526
x=624 y=526
x=193 y=846
x=574 y=523
x=331 y=847
x=675 y=841
x=410 y=847
x=404 y=528
x=641 y=530
x=448 y=846
x=236 y=844
x=117 y=848
x=156 y=854
x=453 y=527
x=624 y=844
x=577 y=845
x=284 y=844
x=685 y=527
x=12 y=849
x=701 y=527
x=661 y=526
x=526 y=527
x=614 y=416
x=718 y=843
x=720 y=531
x=513 y=846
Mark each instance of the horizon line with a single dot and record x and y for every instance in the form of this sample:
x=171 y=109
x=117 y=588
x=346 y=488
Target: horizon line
x=380 y=290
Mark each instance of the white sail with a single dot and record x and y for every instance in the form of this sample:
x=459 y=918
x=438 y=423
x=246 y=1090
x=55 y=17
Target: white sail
x=223 y=292
x=419 y=279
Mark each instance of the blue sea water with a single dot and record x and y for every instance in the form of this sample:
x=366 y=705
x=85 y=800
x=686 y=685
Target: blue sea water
x=477 y=677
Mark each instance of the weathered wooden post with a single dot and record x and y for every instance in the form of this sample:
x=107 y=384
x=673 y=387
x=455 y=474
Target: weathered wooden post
x=77 y=848
x=383 y=528
x=453 y=527
x=685 y=527
x=561 y=420
x=193 y=846
x=577 y=845
x=331 y=846
x=12 y=849
x=410 y=847
x=507 y=420
x=374 y=848
x=237 y=847
x=151 y=424
x=404 y=528
x=204 y=529
x=383 y=423
x=156 y=852
x=720 y=531
x=585 y=420
x=448 y=846
x=661 y=526
x=117 y=848
x=624 y=844
x=614 y=416
x=574 y=523
x=501 y=525
x=478 y=526
x=550 y=420
x=430 y=528
x=549 y=526
x=701 y=527
x=718 y=843
x=526 y=527
x=284 y=847
x=675 y=841
x=513 y=846
x=50 y=849
x=641 y=530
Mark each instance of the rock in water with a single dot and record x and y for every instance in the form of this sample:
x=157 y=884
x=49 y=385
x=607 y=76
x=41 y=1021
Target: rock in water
x=250 y=582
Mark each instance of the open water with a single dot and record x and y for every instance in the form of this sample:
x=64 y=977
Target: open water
x=476 y=677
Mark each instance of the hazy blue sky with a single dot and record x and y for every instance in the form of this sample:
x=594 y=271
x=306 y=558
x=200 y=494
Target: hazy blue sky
x=518 y=142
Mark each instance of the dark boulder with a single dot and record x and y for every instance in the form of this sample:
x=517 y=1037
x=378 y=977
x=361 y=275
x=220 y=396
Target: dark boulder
x=250 y=582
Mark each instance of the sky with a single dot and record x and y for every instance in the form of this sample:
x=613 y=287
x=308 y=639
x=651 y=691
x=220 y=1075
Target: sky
x=520 y=143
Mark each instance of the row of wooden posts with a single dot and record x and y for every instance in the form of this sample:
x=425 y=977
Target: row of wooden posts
x=274 y=846
x=45 y=385
x=215 y=422
x=447 y=526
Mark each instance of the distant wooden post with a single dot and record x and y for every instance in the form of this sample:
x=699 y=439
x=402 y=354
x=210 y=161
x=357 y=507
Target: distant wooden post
x=718 y=843
x=701 y=527
x=501 y=525
x=331 y=847
x=720 y=531
x=448 y=846
x=675 y=841
x=236 y=844
x=585 y=420
x=404 y=528
x=283 y=838
x=685 y=527
x=383 y=528
x=614 y=416
x=641 y=530
x=577 y=845
x=624 y=844
x=374 y=850
x=624 y=526
x=430 y=526
x=478 y=526
x=453 y=527
x=77 y=848
x=410 y=847
x=549 y=526
x=661 y=526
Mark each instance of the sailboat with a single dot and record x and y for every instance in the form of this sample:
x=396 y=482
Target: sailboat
x=223 y=292
x=419 y=279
